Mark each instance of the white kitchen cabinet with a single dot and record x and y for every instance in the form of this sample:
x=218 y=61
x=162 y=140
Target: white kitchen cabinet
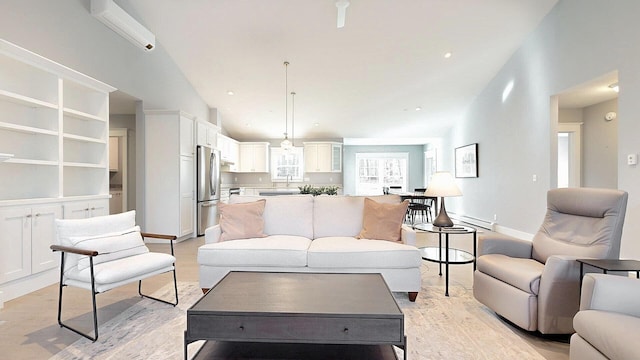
x=229 y=153
x=115 y=203
x=27 y=232
x=322 y=157
x=169 y=173
x=206 y=134
x=85 y=209
x=254 y=157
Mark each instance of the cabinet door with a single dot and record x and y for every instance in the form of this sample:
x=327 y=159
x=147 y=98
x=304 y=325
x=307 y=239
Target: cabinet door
x=311 y=158
x=336 y=158
x=246 y=158
x=43 y=236
x=260 y=158
x=186 y=137
x=324 y=158
x=98 y=208
x=234 y=155
x=15 y=227
x=76 y=210
x=186 y=195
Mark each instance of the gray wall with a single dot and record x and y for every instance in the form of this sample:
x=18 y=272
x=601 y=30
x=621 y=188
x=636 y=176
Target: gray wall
x=578 y=41
x=600 y=146
x=415 y=165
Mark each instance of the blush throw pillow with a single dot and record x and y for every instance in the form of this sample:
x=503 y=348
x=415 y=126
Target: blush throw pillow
x=242 y=221
x=110 y=246
x=382 y=221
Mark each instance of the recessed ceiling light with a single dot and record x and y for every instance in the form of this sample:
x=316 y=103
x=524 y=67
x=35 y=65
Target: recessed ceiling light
x=447 y=54
x=316 y=124
x=418 y=108
x=231 y=93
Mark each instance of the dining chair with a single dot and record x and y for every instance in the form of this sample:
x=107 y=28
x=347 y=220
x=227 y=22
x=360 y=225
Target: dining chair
x=420 y=205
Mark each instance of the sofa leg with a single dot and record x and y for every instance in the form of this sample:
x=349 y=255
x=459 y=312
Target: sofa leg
x=413 y=295
x=204 y=291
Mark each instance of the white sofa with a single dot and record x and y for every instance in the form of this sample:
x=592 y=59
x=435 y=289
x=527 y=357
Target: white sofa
x=313 y=234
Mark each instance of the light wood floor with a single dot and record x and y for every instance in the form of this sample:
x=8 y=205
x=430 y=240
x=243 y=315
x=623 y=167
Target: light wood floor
x=28 y=327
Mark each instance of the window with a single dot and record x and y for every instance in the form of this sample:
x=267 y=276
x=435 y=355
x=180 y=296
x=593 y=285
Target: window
x=377 y=170
x=286 y=164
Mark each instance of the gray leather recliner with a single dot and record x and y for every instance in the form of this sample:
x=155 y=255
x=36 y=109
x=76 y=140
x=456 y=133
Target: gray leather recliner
x=536 y=284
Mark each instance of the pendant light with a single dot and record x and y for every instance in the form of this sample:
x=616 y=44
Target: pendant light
x=293 y=110
x=286 y=144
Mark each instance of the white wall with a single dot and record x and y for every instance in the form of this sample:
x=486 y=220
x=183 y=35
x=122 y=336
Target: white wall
x=579 y=40
x=65 y=32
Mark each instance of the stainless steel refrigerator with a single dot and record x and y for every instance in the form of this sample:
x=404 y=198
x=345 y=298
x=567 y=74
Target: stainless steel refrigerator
x=208 y=174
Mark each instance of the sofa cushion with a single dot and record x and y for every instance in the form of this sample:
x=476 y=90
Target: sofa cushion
x=521 y=273
x=349 y=252
x=284 y=214
x=382 y=221
x=274 y=250
x=613 y=334
x=111 y=246
x=242 y=221
x=342 y=215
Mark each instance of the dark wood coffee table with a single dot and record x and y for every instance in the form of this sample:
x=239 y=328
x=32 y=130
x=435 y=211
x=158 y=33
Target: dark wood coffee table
x=298 y=308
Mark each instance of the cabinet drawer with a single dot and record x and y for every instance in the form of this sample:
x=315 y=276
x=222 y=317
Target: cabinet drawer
x=295 y=328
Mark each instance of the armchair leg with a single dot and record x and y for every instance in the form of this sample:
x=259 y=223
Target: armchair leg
x=93 y=301
x=175 y=288
x=413 y=295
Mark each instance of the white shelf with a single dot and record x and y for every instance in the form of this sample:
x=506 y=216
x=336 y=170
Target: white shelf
x=84 y=139
x=5 y=157
x=31 y=162
x=82 y=115
x=27 y=129
x=84 y=165
x=25 y=100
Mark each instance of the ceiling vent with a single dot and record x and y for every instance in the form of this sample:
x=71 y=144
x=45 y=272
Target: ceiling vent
x=119 y=21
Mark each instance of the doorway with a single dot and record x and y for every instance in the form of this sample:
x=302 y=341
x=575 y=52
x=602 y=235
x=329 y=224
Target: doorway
x=586 y=134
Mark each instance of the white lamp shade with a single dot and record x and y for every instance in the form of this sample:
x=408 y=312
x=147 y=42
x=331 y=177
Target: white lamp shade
x=285 y=144
x=443 y=184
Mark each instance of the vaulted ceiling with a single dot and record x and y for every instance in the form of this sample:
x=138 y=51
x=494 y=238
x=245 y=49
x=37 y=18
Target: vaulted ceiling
x=383 y=75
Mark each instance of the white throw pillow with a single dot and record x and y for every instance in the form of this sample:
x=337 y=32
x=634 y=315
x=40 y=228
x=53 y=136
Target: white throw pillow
x=110 y=246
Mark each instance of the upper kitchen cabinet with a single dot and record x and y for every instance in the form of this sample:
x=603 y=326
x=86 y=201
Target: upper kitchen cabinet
x=169 y=173
x=322 y=157
x=206 y=134
x=53 y=129
x=254 y=157
x=229 y=153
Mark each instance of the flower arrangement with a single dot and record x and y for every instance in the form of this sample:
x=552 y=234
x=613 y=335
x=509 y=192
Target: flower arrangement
x=315 y=191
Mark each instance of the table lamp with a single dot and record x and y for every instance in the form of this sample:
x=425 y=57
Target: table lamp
x=443 y=184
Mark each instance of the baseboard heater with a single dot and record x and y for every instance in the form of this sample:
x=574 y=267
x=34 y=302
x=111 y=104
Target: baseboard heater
x=474 y=221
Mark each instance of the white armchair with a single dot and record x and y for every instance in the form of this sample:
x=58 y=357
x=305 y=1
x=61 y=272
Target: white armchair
x=608 y=322
x=536 y=284
x=104 y=252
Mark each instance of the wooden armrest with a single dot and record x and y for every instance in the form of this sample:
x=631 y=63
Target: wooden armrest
x=73 y=250
x=159 y=236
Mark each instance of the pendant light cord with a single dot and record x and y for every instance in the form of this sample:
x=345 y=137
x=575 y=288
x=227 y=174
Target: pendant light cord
x=286 y=98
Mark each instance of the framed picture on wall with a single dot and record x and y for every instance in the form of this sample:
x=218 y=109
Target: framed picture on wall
x=467 y=161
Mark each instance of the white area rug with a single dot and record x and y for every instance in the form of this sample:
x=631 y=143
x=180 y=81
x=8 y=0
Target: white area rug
x=437 y=327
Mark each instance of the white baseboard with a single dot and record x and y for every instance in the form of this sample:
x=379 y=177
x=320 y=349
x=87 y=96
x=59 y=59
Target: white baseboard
x=20 y=287
x=513 y=232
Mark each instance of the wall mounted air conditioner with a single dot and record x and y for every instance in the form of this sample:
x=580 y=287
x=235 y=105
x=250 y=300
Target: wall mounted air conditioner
x=119 y=21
